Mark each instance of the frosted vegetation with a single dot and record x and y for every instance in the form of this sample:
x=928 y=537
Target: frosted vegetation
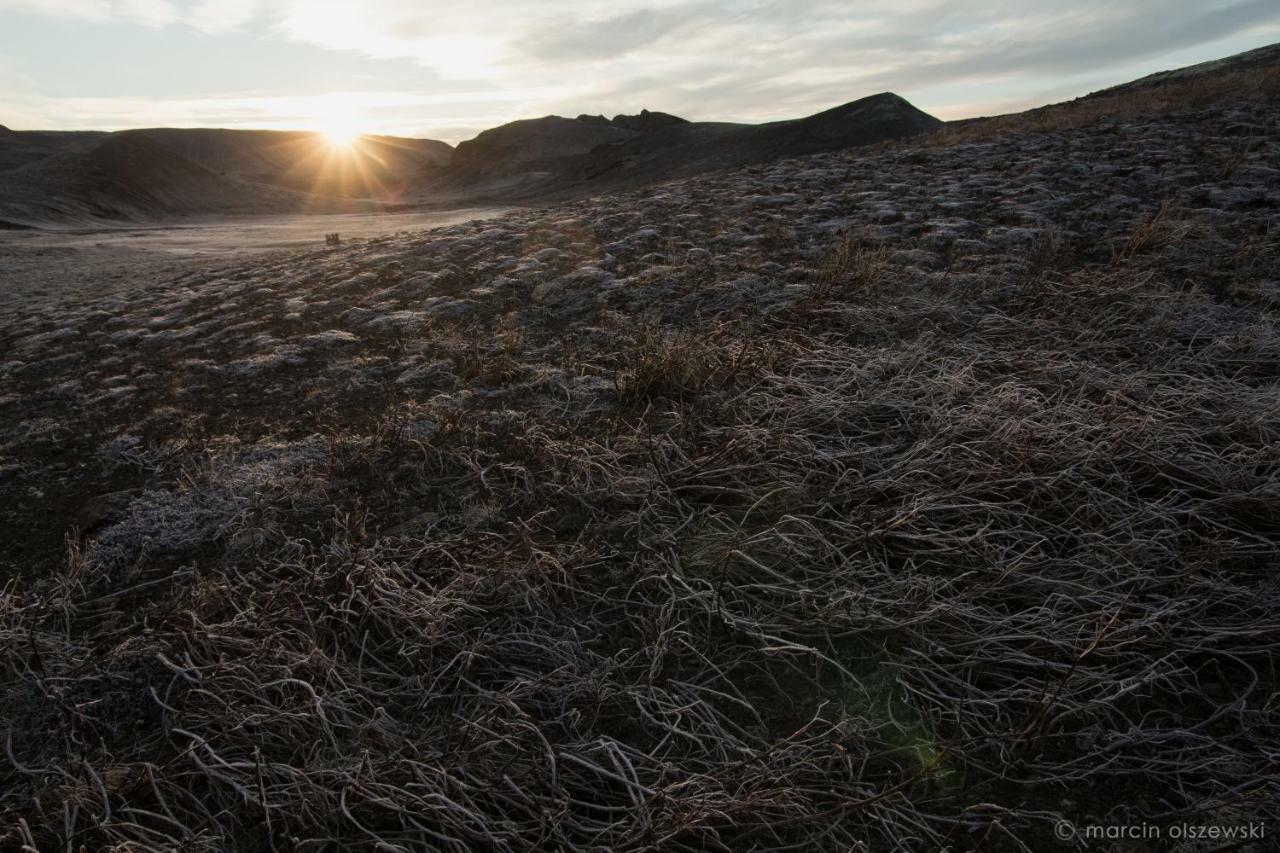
x=905 y=498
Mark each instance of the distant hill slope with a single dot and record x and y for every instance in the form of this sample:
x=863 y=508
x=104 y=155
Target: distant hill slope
x=19 y=148
x=48 y=177
x=1251 y=60
x=51 y=177
x=1250 y=75
x=128 y=177
x=555 y=156
x=377 y=167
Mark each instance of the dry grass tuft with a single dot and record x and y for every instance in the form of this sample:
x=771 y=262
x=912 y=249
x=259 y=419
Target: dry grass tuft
x=662 y=364
x=1169 y=225
x=854 y=268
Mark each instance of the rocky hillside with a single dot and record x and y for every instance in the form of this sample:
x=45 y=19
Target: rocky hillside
x=906 y=499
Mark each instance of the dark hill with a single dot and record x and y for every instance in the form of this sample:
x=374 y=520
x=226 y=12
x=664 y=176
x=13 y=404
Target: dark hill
x=556 y=157
x=21 y=147
x=647 y=121
x=536 y=143
x=130 y=177
x=50 y=177
x=376 y=166
x=58 y=177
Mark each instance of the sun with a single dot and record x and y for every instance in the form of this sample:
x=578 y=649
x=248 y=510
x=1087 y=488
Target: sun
x=340 y=131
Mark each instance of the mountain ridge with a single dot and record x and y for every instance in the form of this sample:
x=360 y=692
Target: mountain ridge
x=528 y=160
x=553 y=156
x=53 y=177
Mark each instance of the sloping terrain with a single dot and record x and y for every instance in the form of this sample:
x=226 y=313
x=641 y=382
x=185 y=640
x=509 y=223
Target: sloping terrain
x=20 y=147
x=129 y=178
x=556 y=157
x=140 y=175
x=1240 y=63
x=903 y=500
x=1249 y=74
x=530 y=143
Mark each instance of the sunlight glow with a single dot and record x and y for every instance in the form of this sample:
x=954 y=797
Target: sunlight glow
x=340 y=131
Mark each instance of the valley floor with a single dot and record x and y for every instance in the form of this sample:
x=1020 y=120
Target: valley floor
x=901 y=500
x=43 y=266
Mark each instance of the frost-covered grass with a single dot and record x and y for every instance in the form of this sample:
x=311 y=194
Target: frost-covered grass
x=802 y=511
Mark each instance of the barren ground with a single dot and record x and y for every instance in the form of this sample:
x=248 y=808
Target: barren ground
x=39 y=265
x=886 y=500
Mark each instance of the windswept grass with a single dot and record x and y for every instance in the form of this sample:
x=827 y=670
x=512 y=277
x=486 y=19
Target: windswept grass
x=849 y=593
x=886 y=567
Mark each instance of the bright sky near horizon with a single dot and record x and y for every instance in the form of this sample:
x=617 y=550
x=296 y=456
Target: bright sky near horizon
x=446 y=70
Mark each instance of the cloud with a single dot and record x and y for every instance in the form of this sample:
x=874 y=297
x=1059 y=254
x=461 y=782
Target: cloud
x=571 y=38
x=480 y=38
x=748 y=60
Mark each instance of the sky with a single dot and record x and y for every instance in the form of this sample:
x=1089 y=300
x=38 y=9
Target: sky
x=447 y=70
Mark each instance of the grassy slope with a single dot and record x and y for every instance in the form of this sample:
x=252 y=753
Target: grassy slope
x=914 y=499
